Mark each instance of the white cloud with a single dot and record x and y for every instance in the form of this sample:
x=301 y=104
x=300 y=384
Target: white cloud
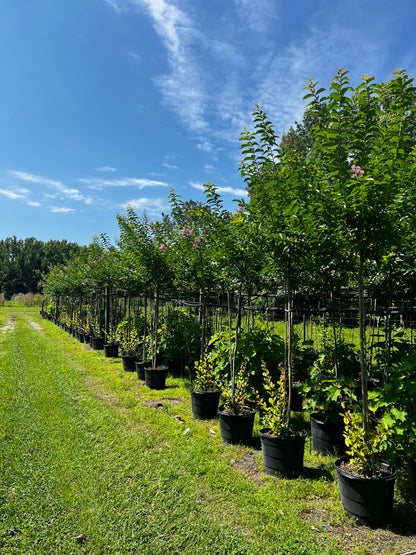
x=205 y=146
x=115 y=4
x=233 y=191
x=218 y=72
x=183 y=88
x=238 y=192
x=11 y=194
x=63 y=210
x=136 y=57
x=106 y=169
x=19 y=194
x=196 y=185
x=65 y=192
x=138 y=183
x=170 y=166
x=32 y=178
x=259 y=16
x=152 y=206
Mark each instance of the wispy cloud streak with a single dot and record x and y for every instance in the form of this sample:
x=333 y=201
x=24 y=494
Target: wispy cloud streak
x=138 y=183
x=236 y=191
x=153 y=207
x=65 y=192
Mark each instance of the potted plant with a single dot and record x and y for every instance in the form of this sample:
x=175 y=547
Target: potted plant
x=155 y=373
x=330 y=379
x=357 y=135
x=179 y=339
x=366 y=481
x=282 y=448
x=145 y=243
x=97 y=339
x=205 y=393
x=111 y=343
x=128 y=340
x=235 y=414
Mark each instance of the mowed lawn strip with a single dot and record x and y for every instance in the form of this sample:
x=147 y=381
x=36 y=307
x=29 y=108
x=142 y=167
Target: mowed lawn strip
x=88 y=466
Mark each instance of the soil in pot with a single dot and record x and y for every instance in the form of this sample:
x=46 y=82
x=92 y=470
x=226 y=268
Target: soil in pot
x=236 y=428
x=129 y=362
x=283 y=456
x=369 y=500
x=155 y=378
x=205 y=403
x=327 y=436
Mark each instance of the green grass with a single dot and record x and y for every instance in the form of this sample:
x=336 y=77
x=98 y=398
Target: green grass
x=11 y=306
x=82 y=452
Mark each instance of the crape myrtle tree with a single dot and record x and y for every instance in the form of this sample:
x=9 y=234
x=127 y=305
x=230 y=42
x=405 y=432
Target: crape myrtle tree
x=143 y=245
x=281 y=209
x=329 y=274
x=363 y=160
x=92 y=273
x=235 y=257
x=188 y=252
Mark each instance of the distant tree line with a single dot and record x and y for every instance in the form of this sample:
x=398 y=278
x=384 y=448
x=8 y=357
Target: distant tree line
x=23 y=261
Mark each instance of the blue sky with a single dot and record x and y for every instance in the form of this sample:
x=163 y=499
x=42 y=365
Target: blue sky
x=105 y=103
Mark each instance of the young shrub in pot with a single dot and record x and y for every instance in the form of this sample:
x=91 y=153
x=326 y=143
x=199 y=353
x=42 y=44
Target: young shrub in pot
x=366 y=481
x=128 y=339
x=236 y=415
x=282 y=448
x=205 y=393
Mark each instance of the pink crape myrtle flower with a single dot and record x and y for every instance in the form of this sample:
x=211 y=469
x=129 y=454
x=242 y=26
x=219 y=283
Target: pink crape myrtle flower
x=162 y=247
x=187 y=232
x=356 y=171
x=197 y=240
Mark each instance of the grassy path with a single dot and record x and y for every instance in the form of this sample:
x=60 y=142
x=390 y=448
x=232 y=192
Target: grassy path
x=82 y=452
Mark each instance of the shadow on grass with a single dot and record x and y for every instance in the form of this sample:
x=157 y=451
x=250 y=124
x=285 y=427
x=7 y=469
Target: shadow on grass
x=311 y=473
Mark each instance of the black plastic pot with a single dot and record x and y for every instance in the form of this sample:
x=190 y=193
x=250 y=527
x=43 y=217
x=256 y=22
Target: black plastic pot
x=111 y=350
x=370 y=500
x=236 y=428
x=283 y=456
x=140 y=366
x=129 y=362
x=205 y=404
x=155 y=378
x=327 y=437
x=297 y=398
x=97 y=343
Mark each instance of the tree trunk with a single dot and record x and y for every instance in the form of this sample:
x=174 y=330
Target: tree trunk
x=156 y=325
x=289 y=325
x=364 y=372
